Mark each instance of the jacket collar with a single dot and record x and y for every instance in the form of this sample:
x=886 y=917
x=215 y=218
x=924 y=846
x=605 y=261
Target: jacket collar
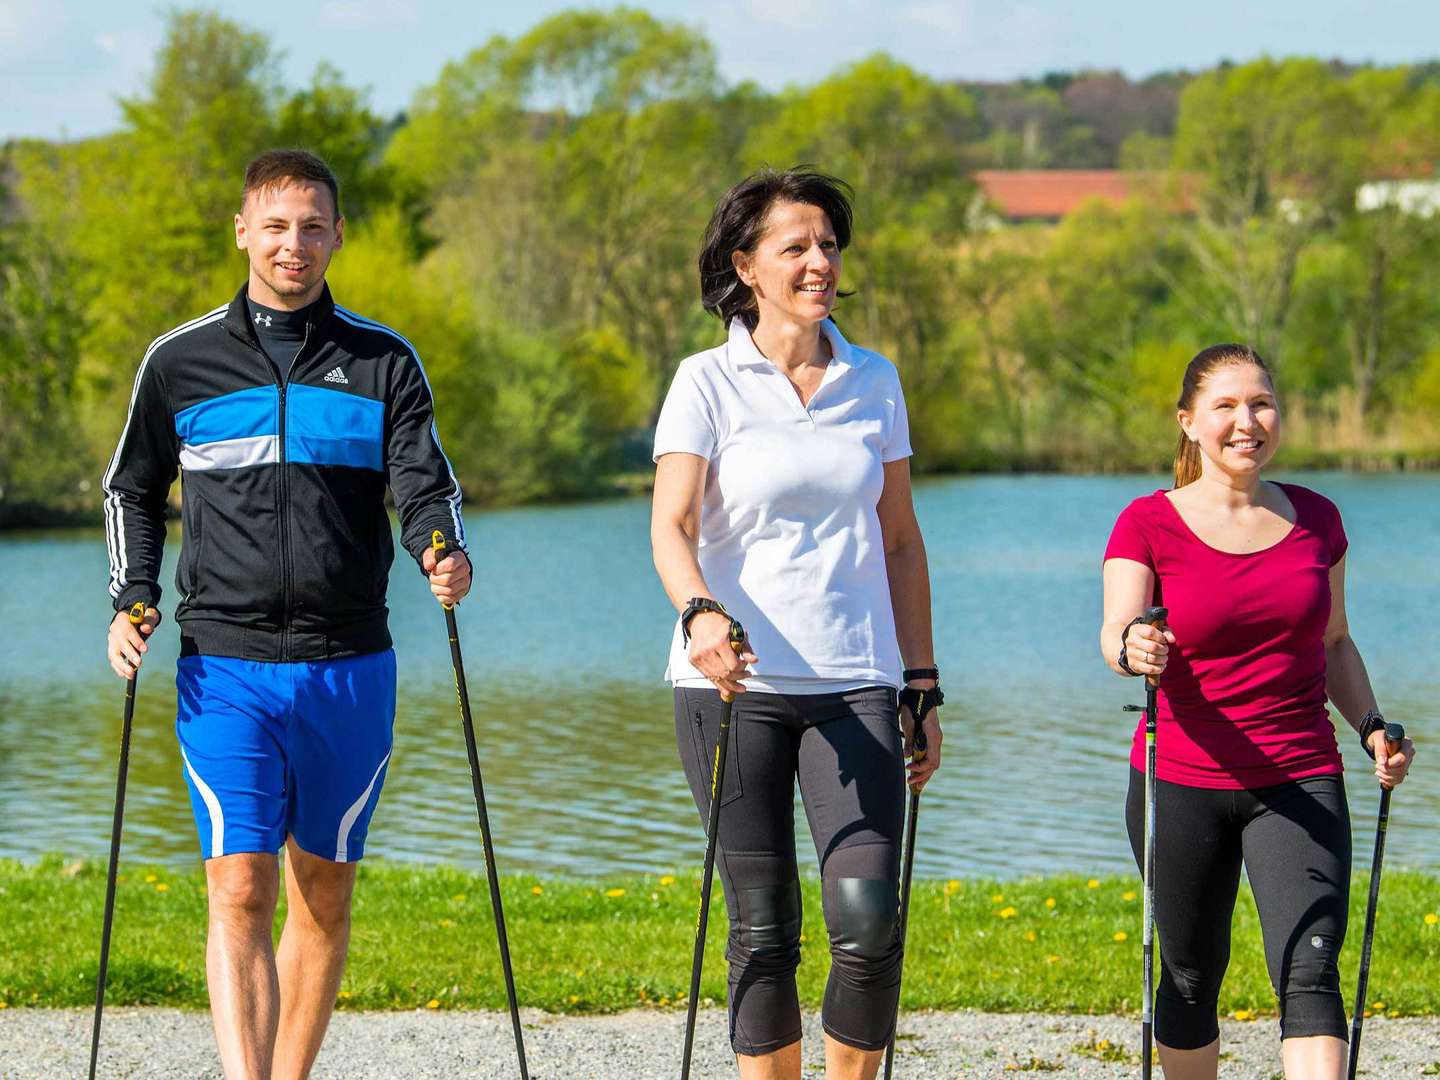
x=237 y=317
x=740 y=348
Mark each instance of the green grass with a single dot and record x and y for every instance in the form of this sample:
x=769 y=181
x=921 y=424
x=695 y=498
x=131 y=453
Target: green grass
x=423 y=937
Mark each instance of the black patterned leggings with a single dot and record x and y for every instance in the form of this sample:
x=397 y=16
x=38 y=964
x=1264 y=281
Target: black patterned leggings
x=845 y=749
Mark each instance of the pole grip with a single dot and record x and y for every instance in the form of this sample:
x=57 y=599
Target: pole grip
x=1394 y=737
x=437 y=545
x=136 y=613
x=737 y=643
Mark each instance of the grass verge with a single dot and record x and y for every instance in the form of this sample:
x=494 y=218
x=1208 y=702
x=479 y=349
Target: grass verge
x=423 y=938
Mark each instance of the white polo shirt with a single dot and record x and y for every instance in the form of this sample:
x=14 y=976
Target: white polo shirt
x=790 y=538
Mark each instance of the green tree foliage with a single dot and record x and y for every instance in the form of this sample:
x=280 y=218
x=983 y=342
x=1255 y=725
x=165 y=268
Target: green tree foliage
x=532 y=224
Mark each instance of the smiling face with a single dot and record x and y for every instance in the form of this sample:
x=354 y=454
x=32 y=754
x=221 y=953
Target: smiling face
x=794 y=270
x=289 y=232
x=1235 y=421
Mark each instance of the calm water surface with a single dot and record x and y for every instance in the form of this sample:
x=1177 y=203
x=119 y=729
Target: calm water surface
x=565 y=644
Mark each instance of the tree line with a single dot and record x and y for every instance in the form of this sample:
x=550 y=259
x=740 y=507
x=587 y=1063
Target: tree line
x=532 y=222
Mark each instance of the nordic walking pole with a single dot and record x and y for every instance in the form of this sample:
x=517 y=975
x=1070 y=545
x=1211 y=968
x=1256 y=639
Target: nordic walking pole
x=921 y=746
x=712 y=832
x=137 y=616
x=437 y=545
x=1394 y=736
x=1155 y=617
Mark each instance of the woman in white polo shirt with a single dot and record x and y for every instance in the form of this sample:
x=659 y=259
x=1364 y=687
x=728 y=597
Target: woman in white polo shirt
x=782 y=491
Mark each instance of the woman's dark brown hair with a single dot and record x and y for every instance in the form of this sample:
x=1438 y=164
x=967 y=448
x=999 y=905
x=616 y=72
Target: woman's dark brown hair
x=738 y=223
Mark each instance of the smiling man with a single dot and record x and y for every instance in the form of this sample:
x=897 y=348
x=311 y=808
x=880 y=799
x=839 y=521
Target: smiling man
x=286 y=416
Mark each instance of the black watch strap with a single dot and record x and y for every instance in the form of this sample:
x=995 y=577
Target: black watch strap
x=694 y=606
x=1370 y=723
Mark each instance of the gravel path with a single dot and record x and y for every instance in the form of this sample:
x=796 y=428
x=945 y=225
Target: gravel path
x=43 y=1043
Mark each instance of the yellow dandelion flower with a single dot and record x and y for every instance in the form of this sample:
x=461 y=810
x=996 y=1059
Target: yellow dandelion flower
x=1102 y=1044
x=4 y=1004
x=998 y=898
x=1121 y=935
x=614 y=893
x=1006 y=913
x=459 y=898
x=1093 y=883
x=536 y=890
x=1379 y=1006
x=150 y=879
x=1243 y=1014
x=668 y=879
x=433 y=1003
x=573 y=998
x=1431 y=919
x=162 y=887
x=344 y=995
x=1052 y=959
x=447 y=922
x=1049 y=901
x=952 y=887
x=1030 y=935
x=1127 y=896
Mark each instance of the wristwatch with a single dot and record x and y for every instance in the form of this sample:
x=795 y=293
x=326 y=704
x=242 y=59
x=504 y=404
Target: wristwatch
x=694 y=606
x=1370 y=723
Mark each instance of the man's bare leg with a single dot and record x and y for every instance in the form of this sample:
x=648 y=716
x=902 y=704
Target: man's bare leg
x=240 y=961
x=311 y=958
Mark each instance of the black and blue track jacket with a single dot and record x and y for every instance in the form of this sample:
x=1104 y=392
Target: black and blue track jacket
x=286 y=549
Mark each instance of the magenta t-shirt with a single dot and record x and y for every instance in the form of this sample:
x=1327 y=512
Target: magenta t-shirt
x=1242 y=699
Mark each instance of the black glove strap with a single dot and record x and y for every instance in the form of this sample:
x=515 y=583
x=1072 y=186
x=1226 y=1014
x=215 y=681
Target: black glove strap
x=920 y=702
x=1123 y=660
x=1370 y=723
x=921 y=673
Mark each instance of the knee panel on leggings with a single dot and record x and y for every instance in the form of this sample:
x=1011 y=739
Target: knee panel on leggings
x=764 y=951
x=863 y=915
x=1186 y=1000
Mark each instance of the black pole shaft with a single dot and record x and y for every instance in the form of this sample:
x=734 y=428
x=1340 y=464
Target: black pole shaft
x=110 y=876
x=712 y=833
x=463 y=695
x=1147 y=1015
x=912 y=818
x=1368 y=940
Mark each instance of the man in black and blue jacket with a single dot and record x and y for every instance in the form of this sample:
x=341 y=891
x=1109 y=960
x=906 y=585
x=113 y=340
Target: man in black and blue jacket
x=287 y=416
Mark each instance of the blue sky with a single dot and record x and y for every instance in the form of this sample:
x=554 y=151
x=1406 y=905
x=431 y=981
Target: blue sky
x=66 y=61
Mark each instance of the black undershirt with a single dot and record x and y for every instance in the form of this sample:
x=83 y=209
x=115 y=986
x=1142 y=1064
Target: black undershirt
x=281 y=333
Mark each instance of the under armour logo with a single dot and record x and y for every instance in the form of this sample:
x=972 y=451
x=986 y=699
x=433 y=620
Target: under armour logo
x=261 y=319
x=335 y=375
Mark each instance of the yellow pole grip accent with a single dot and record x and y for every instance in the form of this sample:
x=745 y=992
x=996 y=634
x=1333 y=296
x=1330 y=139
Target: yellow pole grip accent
x=437 y=543
x=137 y=613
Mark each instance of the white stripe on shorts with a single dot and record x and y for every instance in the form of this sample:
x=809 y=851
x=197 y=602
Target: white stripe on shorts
x=342 y=840
x=212 y=803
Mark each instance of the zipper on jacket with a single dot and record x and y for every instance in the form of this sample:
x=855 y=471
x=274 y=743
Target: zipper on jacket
x=286 y=567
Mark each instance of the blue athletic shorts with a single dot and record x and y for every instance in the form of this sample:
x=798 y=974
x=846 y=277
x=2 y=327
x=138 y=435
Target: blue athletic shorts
x=271 y=750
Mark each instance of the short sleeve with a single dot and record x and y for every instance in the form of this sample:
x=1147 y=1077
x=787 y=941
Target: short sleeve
x=897 y=446
x=1129 y=538
x=1331 y=528
x=687 y=421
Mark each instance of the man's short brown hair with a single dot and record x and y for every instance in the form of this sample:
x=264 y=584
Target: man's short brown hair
x=274 y=168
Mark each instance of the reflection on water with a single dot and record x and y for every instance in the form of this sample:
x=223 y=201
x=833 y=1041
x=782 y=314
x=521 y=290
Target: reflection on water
x=564 y=644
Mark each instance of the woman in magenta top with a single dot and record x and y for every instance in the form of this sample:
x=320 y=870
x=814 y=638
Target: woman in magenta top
x=1248 y=770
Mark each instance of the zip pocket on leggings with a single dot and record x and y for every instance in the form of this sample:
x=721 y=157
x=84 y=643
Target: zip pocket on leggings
x=703 y=710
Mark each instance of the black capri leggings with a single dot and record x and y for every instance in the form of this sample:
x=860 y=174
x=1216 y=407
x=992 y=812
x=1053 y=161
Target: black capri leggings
x=845 y=749
x=1294 y=840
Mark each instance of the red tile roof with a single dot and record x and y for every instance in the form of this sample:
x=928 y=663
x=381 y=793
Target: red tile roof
x=1026 y=194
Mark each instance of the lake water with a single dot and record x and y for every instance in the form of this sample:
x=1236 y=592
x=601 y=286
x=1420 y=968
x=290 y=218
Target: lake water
x=565 y=640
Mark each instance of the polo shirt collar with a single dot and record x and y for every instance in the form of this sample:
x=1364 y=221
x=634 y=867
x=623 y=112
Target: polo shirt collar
x=743 y=354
